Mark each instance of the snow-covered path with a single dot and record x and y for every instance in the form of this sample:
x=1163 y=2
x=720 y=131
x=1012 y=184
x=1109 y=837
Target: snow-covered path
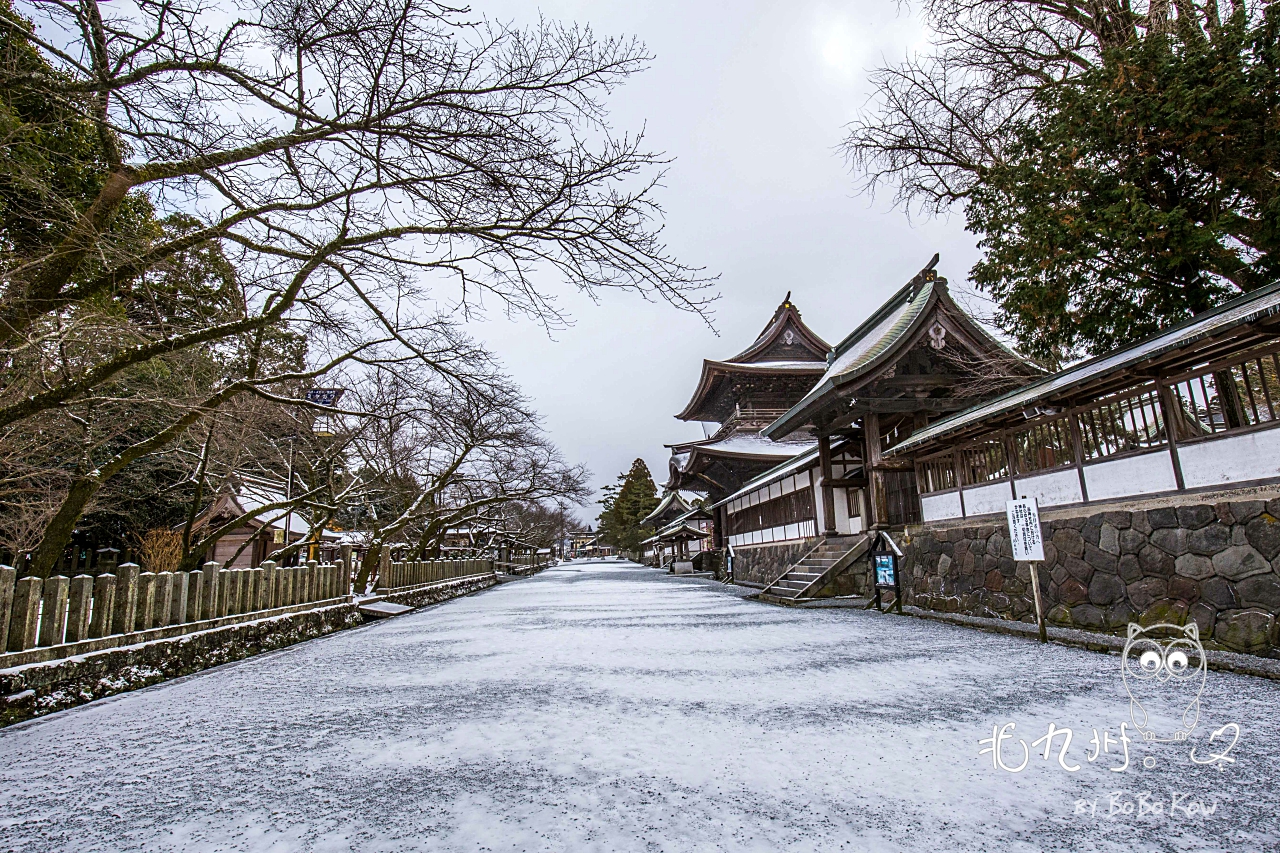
x=607 y=707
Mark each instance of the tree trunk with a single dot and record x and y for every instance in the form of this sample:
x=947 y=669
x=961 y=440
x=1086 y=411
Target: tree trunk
x=63 y=526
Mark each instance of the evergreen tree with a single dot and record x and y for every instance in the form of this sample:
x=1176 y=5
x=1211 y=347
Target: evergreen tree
x=1142 y=192
x=625 y=504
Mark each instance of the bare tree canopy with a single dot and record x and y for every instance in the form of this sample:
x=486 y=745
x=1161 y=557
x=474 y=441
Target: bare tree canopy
x=936 y=122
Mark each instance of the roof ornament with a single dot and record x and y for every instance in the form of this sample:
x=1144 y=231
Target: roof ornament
x=789 y=337
x=925 y=276
x=937 y=336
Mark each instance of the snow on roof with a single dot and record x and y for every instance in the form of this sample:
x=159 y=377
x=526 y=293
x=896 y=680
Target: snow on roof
x=668 y=500
x=755 y=445
x=786 y=469
x=1243 y=309
x=255 y=494
x=773 y=365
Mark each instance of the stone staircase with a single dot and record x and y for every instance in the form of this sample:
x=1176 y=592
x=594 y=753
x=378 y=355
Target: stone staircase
x=830 y=555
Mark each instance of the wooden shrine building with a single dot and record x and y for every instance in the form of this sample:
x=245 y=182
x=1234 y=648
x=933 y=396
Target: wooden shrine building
x=742 y=395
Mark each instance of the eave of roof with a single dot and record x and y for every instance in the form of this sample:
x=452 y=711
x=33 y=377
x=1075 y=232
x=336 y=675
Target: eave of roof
x=848 y=361
x=1239 y=311
x=787 y=468
x=785 y=313
x=713 y=370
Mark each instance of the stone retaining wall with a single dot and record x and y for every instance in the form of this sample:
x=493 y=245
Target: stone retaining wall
x=42 y=688
x=1214 y=564
x=760 y=565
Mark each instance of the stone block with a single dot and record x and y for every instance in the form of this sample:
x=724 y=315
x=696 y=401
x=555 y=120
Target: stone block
x=1129 y=567
x=1194 y=566
x=1059 y=574
x=1119 y=519
x=8 y=577
x=1146 y=591
x=25 y=621
x=267 y=594
x=1073 y=591
x=1109 y=539
x=1050 y=553
x=1204 y=616
x=1106 y=589
x=1059 y=614
x=209 y=590
x=195 y=596
x=1091 y=529
x=1138 y=521
x=126 y=613
x=1209 y=539
x=1100 y=559
x=1219 y=592
x=1171 y=540
x=1154 y=561
x=1164 y=611
x=1196 y=516
x=178 y=601
x=146 y=606
x=998 y=545
x=1088 y=616
x=1184 y=589
x=53 y=622
x=1162 y=517
x=1260 y=591
x=102 y=622
x=79 y=608
x=1118 y=615
x=999 y=601
x=994 y=581
x=1239 y=562
x=944 y=565
x=1244 y=630
x=1224 y=514
x=1245 y=511
x=164 y=598
x=1263 y=533
x=1078 y=569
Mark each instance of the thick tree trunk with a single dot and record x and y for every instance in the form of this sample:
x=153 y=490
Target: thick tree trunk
x=57 y=536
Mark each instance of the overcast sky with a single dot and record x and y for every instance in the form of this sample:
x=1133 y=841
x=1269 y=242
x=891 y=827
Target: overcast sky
x=750 y=99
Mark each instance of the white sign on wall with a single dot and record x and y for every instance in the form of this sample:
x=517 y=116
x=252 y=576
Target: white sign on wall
x=1024 y=529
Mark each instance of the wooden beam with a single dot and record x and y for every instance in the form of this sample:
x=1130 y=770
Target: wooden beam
x=878 y=502
x=849 y=482
x=828 y=492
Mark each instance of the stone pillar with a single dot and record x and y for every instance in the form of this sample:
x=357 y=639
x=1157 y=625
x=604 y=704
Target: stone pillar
x=255 y=590
x=126 y=614
x=164 y=599
x=8 y=577
x=340 y=576
x=312 y=578
x=102 y=622
x=348 y=567
x=146 y=601
x=80 y=605
x=209 y=593
x=233 y=579
x=267 y=588
x=195 y=596
x=26 y=614
x=178 y=598
x=53 y=623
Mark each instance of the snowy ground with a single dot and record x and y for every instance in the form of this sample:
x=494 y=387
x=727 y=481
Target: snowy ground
x=607 y=707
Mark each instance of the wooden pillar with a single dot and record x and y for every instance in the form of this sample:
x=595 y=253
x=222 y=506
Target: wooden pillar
x=828 y=493
x=878 y=501
x=1171 y=432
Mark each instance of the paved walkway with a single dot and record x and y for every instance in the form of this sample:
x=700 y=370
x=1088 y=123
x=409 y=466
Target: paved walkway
x=607 y=707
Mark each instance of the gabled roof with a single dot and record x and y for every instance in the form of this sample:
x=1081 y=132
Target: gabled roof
x=879 y=340
x=671 y=502
x=772 y=344
x=785 y=348
x=1241 y=311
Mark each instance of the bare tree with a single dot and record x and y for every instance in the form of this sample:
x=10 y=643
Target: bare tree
x=935 y=122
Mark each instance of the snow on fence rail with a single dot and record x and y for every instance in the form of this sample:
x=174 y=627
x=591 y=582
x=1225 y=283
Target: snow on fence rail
x=50 y=613
x=400 y=575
